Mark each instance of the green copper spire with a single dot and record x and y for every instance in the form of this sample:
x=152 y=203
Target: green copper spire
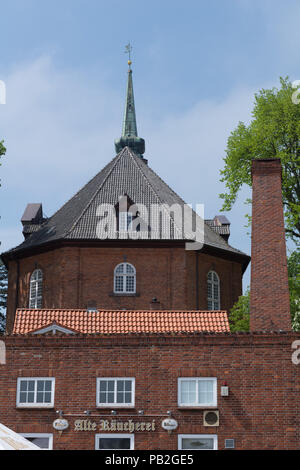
x=129 y=132
x=129 y=123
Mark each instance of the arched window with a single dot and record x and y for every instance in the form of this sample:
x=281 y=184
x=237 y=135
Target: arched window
x=125 y=279
x=36 y=289
x=213 y=291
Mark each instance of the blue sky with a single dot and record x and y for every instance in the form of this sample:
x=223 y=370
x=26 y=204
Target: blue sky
x=197 y=65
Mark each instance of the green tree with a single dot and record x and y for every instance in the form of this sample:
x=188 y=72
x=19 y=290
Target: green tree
x=239 y=317
x=294 y=285
x=3 y=295
x=274 y=132
x=2 y=148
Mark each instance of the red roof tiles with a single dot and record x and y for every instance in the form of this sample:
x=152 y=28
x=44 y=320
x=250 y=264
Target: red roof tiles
x=122 y=322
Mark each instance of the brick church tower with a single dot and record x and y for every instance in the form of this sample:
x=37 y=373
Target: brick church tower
x=86 y=257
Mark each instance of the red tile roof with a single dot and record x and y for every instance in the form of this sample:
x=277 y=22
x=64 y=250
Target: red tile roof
x=122 y=322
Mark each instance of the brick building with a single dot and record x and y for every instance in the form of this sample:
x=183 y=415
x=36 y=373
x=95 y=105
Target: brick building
x=119 y=330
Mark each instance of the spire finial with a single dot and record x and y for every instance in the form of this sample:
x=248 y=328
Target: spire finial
x=129 y=132
x=128 y=50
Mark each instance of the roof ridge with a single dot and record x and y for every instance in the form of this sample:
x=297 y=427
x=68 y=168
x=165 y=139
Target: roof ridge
x=41 y=310
x=151 y=186
x=79 y=191
x=132 y=155
x=95 y=194
x=183 y=201
x=47 y=221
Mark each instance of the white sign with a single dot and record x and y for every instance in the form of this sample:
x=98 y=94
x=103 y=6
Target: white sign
x=169 y=424
x=60 y=424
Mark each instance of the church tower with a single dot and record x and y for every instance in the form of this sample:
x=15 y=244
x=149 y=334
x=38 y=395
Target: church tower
x=84 y=258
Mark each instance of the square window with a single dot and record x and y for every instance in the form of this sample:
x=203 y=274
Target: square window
x=44 y=441
x=197 y=442
x=197 y=392
x=35 y=393
x=114 y=442
x=119 y=392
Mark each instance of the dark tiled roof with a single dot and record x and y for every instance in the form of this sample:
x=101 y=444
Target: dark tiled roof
x=120 y=322
x=28 y=229
x=127 y=174
x=221 y=229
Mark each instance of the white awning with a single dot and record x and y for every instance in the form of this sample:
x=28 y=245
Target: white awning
x=10 y=440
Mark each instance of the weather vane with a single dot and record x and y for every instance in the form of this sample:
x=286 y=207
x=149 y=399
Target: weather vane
x=128 y=50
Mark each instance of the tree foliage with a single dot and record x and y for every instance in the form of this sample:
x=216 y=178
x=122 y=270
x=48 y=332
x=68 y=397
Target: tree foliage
x=294 y=285
x=274 y=132
x=239 y=317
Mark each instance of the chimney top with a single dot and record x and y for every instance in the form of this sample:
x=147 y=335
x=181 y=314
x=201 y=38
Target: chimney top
x=33 y=214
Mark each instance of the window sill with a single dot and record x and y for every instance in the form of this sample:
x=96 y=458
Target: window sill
x=37 y=407
x=115 y=407
x=200 y=408
x=112 y=294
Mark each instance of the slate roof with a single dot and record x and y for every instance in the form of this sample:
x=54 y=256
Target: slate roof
x=221 y=229
x=127 y=174
x=122 y=322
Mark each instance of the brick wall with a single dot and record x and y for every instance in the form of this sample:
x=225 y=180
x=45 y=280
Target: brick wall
x=76 y=277
x=261 y=412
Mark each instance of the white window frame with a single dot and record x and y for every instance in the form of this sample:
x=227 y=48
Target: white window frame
x=213 y=284
x=124 y=275
x=49 y=436
x=34 y=404
x=197 y=436
x=116 y=405
x=35 y=300
x=113 y=436
x=214 y=404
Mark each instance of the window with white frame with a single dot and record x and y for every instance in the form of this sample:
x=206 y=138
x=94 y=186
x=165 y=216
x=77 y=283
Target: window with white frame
x=197 y=392
x=114 y=442
x=197 y=442
x=36 y=289
x=125 y=279
x=125 y=221
x=44 y=441
x=115 y=392
x=35 y=392
x=213 y=291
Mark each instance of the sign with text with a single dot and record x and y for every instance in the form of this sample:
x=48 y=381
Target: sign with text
x=113 y=425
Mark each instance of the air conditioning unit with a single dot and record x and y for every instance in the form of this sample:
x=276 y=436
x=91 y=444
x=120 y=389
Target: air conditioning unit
x=211 y=418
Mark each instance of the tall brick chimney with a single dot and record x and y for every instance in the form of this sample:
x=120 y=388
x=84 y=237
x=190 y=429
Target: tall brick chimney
x=269 y=295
